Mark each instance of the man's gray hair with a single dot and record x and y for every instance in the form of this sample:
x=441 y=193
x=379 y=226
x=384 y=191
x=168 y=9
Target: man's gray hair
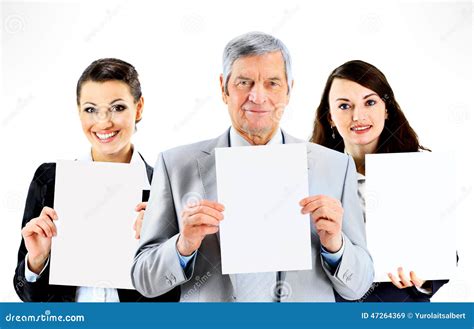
x=251 y=44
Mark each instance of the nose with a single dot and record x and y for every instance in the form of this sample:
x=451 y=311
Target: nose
x=258 y=94
x=103 y=119
x=359 y=113
x=103 y=116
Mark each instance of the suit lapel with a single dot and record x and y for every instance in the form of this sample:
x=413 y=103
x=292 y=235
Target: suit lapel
x=207 y=167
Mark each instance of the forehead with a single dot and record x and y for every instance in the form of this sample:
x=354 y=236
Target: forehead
x=267 y=65
x=104 y=92
x=343 y=88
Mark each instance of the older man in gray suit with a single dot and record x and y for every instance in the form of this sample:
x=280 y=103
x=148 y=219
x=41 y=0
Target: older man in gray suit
x=179 y=243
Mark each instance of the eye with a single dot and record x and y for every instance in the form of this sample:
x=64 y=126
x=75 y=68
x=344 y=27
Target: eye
x=89 y=110
x=244 y=84
x=118 y=108
x=344 y=106
x=370 y=102
x=274 y=84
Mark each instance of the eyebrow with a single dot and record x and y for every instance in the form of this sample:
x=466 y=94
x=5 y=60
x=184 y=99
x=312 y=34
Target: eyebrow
x=347 y=100
x=241 y=77
x=366 y=96
x=115 y=100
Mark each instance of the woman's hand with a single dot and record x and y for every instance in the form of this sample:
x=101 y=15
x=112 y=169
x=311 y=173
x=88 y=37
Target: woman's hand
x=401 y=281
x=37 y=235
x=137 y=226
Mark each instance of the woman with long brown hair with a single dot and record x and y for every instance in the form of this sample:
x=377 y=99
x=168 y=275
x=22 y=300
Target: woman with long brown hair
x=358 y=114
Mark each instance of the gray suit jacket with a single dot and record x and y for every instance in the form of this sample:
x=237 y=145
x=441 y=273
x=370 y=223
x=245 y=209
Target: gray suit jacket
x=189 y=171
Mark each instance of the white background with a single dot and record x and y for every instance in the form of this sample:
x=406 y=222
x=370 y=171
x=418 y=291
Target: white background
x=424 y=49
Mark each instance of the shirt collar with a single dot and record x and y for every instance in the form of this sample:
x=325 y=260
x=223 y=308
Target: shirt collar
x=87 y=157
x=237 y=140
x=136 y=158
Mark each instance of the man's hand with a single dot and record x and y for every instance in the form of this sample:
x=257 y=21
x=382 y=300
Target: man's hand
x=199 y=220
x=326 y=215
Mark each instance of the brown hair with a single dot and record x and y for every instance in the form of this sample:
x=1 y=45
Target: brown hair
x=107 y=69
x=397 y=135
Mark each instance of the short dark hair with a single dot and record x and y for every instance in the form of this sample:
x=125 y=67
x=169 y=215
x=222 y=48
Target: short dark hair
x=106 y=69
x=397 y=135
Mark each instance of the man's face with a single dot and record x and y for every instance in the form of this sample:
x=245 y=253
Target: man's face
x=257 y=95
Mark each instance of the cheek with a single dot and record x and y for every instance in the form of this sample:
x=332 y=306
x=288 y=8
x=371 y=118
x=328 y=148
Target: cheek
x=126 y=123
x=379 y=119
x=340 y=119
x=86 y=125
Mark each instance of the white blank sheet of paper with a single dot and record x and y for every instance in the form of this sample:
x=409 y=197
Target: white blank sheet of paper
x=95 y=203
x=263 y=229
x=408 y=217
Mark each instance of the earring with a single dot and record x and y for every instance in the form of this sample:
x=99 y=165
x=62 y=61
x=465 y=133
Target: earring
x=333 y=133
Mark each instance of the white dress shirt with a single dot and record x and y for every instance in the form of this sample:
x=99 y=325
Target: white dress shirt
x=93 y=294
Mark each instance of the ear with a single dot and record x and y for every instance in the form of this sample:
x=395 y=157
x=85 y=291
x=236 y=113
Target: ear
x=140 y=105
x=289 y=93
x=386 y=114
x=329 y=117
x=222 y=84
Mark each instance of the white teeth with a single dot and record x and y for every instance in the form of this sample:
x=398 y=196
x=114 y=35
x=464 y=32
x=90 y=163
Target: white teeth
x=106 y=136
x=360 y=128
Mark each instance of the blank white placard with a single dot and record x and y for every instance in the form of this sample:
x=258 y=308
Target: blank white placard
x=95 y=203
x=263 y=229
x=410 y=221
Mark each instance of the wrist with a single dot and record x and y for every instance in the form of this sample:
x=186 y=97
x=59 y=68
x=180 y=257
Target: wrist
x=183 y=247
x=36 y=264
x=334 y=245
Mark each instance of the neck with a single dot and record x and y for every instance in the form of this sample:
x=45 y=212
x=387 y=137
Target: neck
x=123 y=156
x=358 y=154
x=257 y=139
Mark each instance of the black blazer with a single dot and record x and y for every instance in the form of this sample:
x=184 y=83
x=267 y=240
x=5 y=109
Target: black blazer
x=387 y=292
x=41 y=194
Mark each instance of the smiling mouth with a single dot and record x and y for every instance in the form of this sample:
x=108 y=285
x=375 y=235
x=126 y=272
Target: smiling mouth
x=106 y=138
x=361 y=129
x=257 y=112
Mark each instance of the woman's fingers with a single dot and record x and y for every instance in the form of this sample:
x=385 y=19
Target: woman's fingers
x=141 y=206
x=50 y=212
x=137 y=226
x=416 y=280
x=395 y=281
x=31 y=229
x=405 y=281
